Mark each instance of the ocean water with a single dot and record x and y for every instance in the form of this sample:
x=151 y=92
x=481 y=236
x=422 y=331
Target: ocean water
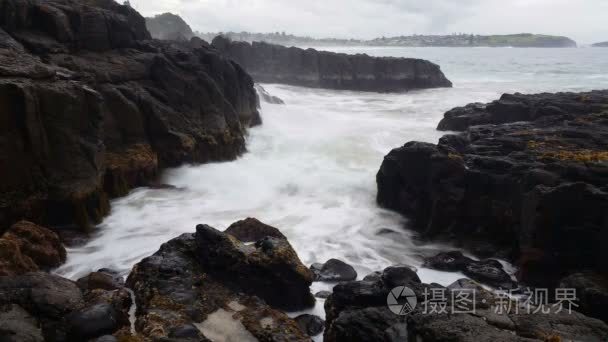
x=311 y=166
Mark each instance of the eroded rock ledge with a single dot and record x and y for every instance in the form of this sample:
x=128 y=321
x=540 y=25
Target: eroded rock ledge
x=532 y=187
x=91 y=107
x=311 y=68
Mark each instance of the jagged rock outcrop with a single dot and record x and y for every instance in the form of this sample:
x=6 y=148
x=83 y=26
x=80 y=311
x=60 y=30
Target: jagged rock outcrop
x=321 y=69
x=169 y=26
x=220 y=285
x=91 y=107
x=521 y=107
x=532 y=187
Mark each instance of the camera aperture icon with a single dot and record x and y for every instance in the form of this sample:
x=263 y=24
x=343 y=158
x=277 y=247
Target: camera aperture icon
x=401 y=300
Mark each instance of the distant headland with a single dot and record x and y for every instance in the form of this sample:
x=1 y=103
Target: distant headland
x=453 y=40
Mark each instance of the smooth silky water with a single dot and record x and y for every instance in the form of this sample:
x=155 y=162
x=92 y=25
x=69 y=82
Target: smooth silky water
x=311 y=167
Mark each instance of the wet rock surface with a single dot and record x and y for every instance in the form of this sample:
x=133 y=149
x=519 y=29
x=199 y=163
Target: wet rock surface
x=358 y=311
x=221 y=286
x=529 y=186
x=27 y=247
x=311 y=325
x=252 y=230
x=489 y=271
x=333 y=270
x=90 y=107
x=44 y=307
x=311 y=68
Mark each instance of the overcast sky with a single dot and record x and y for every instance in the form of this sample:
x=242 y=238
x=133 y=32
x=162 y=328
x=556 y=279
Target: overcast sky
x=585 y=21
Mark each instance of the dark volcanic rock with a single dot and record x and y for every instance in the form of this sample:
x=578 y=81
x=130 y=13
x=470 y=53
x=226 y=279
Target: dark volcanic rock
x=91 y=322
x=311 y=68
x=90 y=107
x=214 y=282
x=533 y=191
x=399 y=275
x=592 y=292
x=311 y=325
x=26 y=247
x=169 y=26
x=270 y=269
x=47 y=298
x=17 y=325
x=520 y=107
x=102 y=279
x=487 y=271
x=252 y=230
x=333 y=270
x=323 y=294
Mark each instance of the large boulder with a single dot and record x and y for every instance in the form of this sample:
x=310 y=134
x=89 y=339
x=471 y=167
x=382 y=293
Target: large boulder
x=270 y=268
x=221 y=286
x=28 y=247
x=269 y=63
x=252 y=230
x=47 y=298
x=90 y=107
x=532 y=191
x=333 y=270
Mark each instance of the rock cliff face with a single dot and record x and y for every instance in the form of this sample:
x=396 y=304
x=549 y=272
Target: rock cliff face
x=91 y=107
x=530 y=184
x=310 y=68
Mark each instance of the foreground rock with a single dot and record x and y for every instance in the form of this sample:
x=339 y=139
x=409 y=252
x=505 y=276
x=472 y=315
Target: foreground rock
x=26 y=247
x=221 y=286
x=90 y=107
x=358 y=311
x=532 y=191
x=44 y=307
x=269 y=63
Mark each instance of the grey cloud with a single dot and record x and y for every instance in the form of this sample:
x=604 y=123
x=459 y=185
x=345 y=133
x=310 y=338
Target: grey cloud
x=583 y=20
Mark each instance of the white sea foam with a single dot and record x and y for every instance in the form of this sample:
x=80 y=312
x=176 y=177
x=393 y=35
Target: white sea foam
x=311 y=167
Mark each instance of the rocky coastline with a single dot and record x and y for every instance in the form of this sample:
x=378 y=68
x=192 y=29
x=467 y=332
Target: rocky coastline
x=321 y=69
x=525 y=180
x=91 y=107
